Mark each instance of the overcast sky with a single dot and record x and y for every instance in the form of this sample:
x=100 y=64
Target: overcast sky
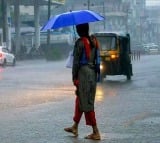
x=152 y=2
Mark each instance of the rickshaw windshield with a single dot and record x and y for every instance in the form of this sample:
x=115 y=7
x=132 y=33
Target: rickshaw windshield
x=107 y=42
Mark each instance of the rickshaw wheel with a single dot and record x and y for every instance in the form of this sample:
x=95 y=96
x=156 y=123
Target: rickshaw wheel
x=128 y=77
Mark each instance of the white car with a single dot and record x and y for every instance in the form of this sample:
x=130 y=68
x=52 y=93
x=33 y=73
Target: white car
x=151 y=48
x=6 y=58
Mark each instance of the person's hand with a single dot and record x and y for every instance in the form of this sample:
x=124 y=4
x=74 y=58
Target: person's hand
x=98 y=72
x=98 y=68
x=76 y=82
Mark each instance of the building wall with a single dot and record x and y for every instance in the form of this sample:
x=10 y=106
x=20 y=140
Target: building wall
x=153 y=24
x=120 y=15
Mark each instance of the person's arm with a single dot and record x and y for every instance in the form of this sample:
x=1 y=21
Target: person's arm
x=97 y=57
x=98 y=64
x=76 y=60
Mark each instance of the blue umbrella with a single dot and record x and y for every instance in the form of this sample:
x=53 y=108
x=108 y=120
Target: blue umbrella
x=72 y=18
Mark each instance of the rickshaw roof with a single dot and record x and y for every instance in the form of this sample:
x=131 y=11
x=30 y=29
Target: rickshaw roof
x=115 y=33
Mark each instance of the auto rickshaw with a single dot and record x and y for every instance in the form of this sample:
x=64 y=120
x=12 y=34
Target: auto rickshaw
x=115 y=54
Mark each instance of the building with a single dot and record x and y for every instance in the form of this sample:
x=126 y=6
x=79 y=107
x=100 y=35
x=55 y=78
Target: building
x=120 y=15
x=152 y=26
x=7 y=27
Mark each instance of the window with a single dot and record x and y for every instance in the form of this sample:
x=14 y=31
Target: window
x=107 y=42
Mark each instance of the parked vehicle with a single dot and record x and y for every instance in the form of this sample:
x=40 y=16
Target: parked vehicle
x=151 y=48
x=115 y=54
x=138 y=48
x=6 y=58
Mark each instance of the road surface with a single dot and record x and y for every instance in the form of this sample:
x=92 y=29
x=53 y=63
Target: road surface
x=37 y=102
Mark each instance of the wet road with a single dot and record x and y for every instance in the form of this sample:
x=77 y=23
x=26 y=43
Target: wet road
x=36 y=103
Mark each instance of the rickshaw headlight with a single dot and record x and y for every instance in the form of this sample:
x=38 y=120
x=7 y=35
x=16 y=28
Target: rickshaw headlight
x=113 y=56
x=101 y=67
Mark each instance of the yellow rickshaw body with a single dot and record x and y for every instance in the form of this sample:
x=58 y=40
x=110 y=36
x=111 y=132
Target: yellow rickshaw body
x=115 y=53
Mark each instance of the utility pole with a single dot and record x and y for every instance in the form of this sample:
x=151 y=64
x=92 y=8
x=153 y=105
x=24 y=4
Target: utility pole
x=4 y=20
x=48 y=31
x=17 y=26
x=37 y=31
x=88 y=4
x=127 y=13
x=104 y=15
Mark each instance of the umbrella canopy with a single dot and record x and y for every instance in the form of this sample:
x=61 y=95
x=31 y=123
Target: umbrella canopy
x=72 y=18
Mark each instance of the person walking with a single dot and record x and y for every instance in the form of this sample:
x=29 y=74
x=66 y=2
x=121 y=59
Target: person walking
x=85 y=74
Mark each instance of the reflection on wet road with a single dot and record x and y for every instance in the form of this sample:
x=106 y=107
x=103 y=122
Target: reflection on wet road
x=32 y=96
x=37 y=101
